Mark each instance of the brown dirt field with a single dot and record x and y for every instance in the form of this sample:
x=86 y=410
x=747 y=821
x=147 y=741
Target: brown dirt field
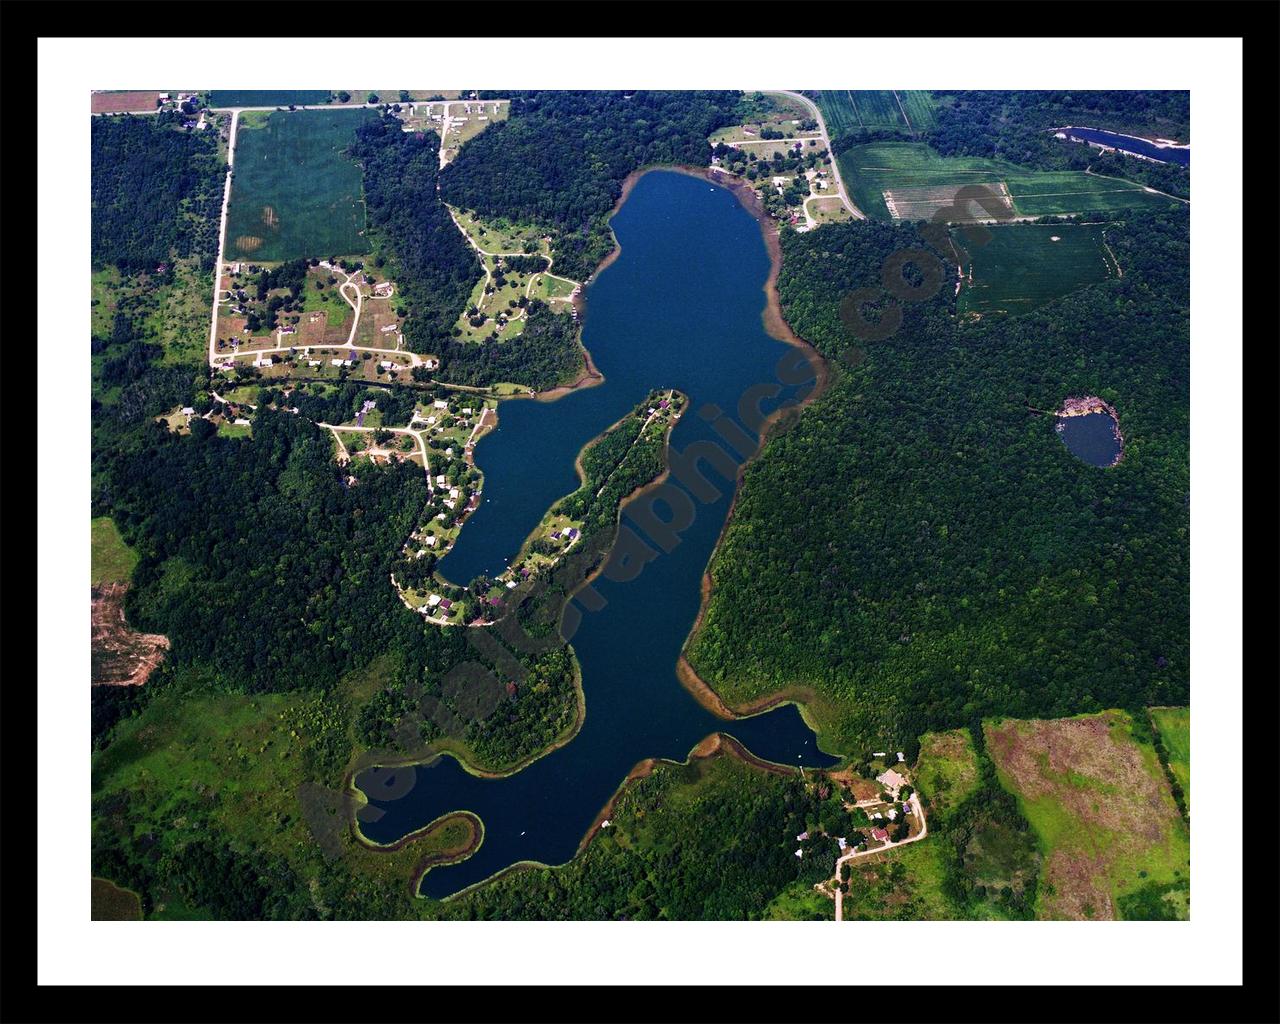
x=120 y=102
x=248 y=243
x=120 y=656
x=109 y=902
x=269 y=217
x=1097 y=778
x=1080 y=890
x=860 y=788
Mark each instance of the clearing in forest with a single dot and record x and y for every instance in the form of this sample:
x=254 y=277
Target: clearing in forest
x=1114 y=842
x=1019 y=267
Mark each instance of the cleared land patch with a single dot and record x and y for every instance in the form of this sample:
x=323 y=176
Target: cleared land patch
x=295 y=192
x=923 y=202
x=120 y=656
x=947 y=769
x=1114 y=843
x=111 y=559
x=1022 y=266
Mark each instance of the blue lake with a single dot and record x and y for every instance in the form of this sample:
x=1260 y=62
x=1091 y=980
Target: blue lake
x=681 y=307
x=1132 y=144
x=1092 y=438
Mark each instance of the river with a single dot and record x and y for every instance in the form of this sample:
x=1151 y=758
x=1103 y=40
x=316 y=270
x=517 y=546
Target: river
x=679 y=308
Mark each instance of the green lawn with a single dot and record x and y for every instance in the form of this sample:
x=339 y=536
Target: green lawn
x=295 y=192
x=1022 y=266
x=111 y=560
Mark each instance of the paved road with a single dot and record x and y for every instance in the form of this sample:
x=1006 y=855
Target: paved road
x=835 y=166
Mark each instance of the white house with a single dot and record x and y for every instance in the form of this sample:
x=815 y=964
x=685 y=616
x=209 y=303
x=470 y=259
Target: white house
x=433 y=600
x=431 y=540
x=440 y=405
x=335 y=362
x=386 y=364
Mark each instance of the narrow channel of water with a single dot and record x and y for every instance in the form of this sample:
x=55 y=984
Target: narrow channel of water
x=1133 y=144
x=681 y=307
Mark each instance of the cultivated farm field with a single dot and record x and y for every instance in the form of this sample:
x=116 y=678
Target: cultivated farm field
x=294 y=191
x=913 y=172
x=847 y=110
x=1020 y=267
x=267 y=97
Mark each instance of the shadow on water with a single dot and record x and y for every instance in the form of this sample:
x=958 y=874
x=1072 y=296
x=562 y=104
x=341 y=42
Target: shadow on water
x=680 y=308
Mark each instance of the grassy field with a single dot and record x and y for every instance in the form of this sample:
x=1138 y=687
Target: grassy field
x=902 y=885
x=195 y=764
x=501 y=235
x=1114 y=843
x=872 y=169
x=1174 y=726
x=1023 y=266
x=294 y=192
x=111 y=560
x=947 y=770
x=829 y=210
x=268 y=97
x=176 y=314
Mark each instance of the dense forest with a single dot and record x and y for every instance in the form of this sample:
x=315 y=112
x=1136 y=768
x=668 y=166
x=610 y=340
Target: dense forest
x=560 y=159
x=922 y=548
x=430 y=260
x=1012 y=125
x=156 y=191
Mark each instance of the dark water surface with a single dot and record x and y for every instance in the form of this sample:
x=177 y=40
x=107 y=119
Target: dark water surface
x=1091 y=438
x=681 y=307
x=1131 y=144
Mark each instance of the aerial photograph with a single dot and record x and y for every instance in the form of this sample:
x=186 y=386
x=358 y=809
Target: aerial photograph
x=640 y=505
